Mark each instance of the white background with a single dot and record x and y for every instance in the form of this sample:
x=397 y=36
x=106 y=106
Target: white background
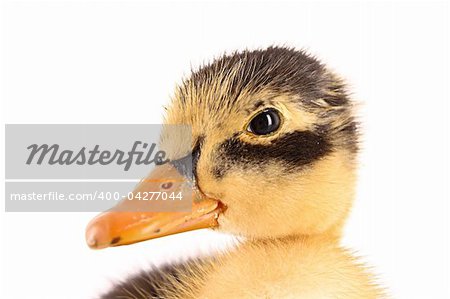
x=117 y=62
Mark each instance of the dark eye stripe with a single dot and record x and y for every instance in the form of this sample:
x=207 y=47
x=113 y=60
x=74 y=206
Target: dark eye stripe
x=295 y=149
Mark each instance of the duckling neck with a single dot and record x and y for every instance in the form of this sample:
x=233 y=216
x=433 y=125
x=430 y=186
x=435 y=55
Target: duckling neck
x=330 y=236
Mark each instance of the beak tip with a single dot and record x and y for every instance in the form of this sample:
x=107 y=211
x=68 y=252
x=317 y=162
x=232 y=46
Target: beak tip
x=93 y=234
x=91 y=240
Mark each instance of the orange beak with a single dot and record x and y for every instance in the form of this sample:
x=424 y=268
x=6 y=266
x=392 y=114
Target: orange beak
x=135 y=220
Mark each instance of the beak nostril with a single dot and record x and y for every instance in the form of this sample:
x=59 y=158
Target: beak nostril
x=167 y=185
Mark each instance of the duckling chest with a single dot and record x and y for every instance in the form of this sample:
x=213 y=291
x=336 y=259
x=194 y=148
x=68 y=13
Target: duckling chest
x=281 y=272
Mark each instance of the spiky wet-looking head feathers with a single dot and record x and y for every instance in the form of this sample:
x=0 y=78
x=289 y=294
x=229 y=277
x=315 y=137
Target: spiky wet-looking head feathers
x=231 y=80
x=298 y=180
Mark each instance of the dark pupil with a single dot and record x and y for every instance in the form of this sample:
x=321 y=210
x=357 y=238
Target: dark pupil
x=265 y=123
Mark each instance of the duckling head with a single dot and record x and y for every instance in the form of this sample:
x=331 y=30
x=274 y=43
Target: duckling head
x=274 y=144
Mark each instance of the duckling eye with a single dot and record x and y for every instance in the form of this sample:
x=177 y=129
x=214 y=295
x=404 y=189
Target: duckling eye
x=265 y=122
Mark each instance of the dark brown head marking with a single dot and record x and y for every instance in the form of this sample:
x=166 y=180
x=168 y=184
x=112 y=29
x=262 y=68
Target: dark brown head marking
x=294 y=150
x=282 y=70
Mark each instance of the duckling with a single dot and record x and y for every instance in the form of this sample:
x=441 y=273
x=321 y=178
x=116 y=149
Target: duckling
x=274 y=150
